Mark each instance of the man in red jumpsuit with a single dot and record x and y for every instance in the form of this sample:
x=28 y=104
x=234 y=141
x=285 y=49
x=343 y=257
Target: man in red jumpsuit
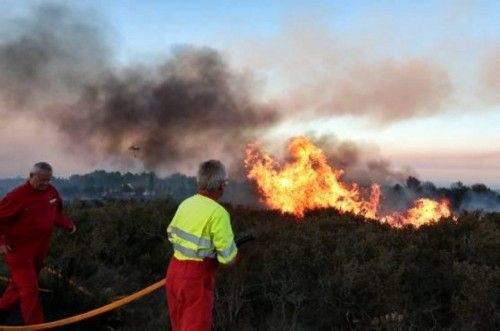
x=27 y=216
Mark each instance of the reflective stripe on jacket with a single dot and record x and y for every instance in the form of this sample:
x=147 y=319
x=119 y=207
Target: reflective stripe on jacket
x=201 y=228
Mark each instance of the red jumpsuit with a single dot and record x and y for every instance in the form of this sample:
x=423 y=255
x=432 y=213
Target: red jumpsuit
x=27 y=217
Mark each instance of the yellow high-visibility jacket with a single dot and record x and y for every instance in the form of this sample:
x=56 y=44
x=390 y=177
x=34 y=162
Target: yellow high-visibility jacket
x=201 y=228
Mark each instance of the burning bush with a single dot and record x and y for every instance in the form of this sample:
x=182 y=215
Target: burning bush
x=308 y=182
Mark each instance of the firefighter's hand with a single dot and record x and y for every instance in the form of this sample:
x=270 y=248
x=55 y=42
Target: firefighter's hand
x=4 y=249
x=72 y=230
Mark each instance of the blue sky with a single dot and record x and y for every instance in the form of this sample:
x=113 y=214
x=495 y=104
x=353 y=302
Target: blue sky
x=458 y=142
x=152 y=26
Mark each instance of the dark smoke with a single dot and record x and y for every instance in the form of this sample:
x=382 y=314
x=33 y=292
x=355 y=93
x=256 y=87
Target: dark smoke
x=361 y=163
x=56 y=64
x=190 y=108
x=340 y=154
x=48 y=57
x=462 y=198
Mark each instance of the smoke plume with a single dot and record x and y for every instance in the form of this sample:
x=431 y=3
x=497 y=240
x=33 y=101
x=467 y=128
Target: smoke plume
x=462 y=198
x=56 y=64
x=191 y=107
x=490 y=76
x=330 y=75
x=48 y=57
x=390 y=90
x=361 y=162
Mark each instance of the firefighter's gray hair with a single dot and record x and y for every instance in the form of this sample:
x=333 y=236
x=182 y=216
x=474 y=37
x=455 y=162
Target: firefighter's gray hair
x=40 y=167
x=211 y=175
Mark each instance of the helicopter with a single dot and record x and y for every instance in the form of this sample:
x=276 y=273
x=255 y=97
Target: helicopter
x=134 y=149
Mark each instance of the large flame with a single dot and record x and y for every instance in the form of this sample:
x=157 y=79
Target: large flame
x=308 y=182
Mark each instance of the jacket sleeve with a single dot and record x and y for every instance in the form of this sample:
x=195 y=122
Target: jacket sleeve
x=223 y=238
x=61 y=220
x=10 y=207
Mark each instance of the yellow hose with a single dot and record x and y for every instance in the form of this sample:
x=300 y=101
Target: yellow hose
x=98 y=311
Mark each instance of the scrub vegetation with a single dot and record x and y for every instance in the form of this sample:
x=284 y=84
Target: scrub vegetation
x=327 y=271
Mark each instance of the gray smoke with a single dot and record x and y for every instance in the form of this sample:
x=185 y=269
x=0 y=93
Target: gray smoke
x=474 y=202
x=48 y=57
x=462 y=198
x=191 y=107
x=56 y=64
x=489 y=78
x=361 y=163
x=333 y=74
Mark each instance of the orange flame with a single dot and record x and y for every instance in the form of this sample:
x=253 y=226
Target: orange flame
x=308 y=182
x=425 y=211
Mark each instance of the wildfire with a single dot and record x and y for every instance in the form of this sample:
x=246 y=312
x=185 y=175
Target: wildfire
x=308 y=182
x=424 y=211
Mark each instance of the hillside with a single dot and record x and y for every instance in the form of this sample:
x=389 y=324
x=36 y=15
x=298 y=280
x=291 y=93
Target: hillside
x=326 y=271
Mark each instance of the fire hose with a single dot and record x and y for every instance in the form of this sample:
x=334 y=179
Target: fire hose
x=109 y=307
x=91 y=313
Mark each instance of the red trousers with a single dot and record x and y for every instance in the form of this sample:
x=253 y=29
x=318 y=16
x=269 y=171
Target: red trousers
x=25 y=263
x=190 y=294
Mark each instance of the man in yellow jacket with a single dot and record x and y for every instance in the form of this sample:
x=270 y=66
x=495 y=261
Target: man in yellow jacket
x=202 y=237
